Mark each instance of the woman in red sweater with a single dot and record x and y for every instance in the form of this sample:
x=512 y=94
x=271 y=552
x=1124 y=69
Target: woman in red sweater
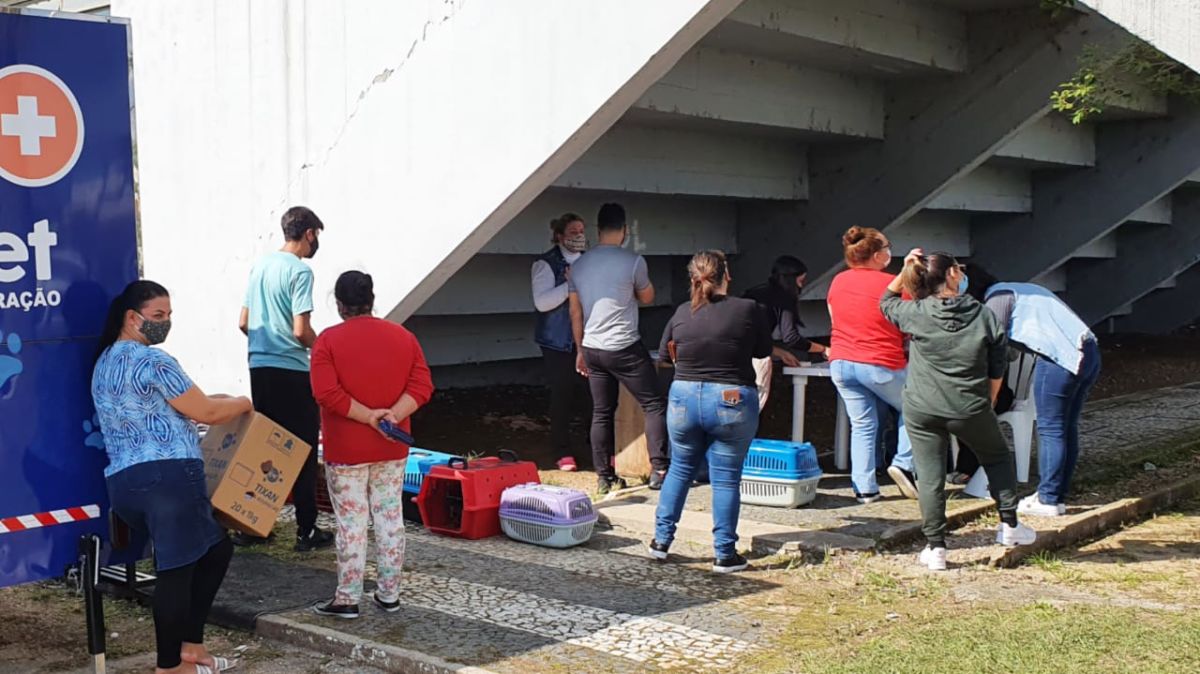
x=364 y=371
x=867 y=360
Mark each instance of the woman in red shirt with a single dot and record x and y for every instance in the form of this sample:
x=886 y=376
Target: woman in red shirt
x=364 y=371
x=867 y=360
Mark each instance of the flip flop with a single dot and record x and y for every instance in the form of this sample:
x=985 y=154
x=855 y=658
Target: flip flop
x=225 y=664
x=957 y=478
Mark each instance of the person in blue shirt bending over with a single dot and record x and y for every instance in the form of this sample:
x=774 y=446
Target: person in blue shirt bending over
x=1068 y=365
x=147 y=407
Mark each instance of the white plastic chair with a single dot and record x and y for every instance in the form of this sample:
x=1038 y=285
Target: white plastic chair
x=1021 y=418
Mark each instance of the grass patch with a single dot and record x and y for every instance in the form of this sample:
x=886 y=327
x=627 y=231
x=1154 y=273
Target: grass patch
x=1052 y=563
x=1046 y=561
x=1034 y=639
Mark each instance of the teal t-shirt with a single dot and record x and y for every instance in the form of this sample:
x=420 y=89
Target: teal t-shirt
x=280 y=289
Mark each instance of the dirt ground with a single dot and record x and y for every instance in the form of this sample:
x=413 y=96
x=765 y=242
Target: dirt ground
x=43 y=630
x=485 y=420
x=1129 y=602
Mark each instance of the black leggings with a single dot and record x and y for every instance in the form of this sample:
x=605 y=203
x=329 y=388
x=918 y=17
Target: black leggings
x=182 y=599
x=633 y=368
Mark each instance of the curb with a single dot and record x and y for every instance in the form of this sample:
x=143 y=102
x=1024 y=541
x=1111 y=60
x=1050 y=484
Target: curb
x=356 y=649
x=909 y=531
x=1100 y=520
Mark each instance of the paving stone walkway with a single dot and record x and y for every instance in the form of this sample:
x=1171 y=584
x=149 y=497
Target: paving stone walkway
x=606 y=607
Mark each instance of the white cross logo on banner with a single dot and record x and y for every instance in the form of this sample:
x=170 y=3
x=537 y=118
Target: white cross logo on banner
x=28 y=125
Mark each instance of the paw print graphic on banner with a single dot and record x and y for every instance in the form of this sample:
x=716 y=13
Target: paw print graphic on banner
x=10 y=364
x=94 y=439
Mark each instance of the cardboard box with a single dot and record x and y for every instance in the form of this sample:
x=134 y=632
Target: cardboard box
x=250 y=465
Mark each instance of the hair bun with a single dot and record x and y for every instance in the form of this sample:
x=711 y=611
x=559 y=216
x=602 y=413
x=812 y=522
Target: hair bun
x=853 y=236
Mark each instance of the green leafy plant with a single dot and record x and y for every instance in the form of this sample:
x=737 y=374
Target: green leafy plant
x=1107 y=77
x=1057 y=7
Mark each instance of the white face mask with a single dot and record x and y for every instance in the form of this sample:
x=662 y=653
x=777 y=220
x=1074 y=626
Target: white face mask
x=575 y=244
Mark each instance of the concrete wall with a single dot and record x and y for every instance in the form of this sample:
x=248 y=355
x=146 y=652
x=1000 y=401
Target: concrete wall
x=1173 y=26
x=415 y=129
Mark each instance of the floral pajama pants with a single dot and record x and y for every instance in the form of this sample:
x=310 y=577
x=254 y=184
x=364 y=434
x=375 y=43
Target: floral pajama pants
x=360 y=491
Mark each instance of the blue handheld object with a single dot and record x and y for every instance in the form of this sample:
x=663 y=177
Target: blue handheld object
x=396 y=433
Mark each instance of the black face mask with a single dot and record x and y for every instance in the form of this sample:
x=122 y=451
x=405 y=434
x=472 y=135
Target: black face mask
x=155 y=332
x=313 y=246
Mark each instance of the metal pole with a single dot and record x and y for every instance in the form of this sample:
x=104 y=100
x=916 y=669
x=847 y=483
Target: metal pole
x=93 y=602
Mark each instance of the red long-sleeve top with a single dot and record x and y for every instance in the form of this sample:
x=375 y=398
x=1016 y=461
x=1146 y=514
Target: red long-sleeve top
x=374 y=362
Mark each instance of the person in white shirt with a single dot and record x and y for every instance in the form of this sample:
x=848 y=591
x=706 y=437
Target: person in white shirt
x=551 y=273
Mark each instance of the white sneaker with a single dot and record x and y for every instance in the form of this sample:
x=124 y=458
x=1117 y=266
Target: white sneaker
x=934 y=559
x=1014 y=536
x=1032 y=505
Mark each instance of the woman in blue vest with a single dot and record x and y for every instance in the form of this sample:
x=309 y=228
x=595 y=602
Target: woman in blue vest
x=1038 y=322
x=550 y=274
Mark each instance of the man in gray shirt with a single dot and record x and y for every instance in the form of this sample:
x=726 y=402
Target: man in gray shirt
x=606 y=286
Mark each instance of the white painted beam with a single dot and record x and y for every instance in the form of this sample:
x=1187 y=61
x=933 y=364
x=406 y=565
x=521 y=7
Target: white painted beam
x=894 y=37
x=466 y=339
x=454 y=340
x=1054 y=280
x=937 y=132
x=943 y=231
x=661 y=225
x=1053 y=140
x=1103 y=248
x=710 y=85
x=1137 y=103
x=661 y=160
x=500 y=284
x=1156 y=212
x=1149 y=255
x=1162 y=311
x=988 y=188
x=934 y=231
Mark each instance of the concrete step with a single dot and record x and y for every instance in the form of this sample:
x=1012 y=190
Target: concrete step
x=695 y=531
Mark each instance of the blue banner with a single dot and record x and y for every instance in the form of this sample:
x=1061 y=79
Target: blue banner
x=68 y=245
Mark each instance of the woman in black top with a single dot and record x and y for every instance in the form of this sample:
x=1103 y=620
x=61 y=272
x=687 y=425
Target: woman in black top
x=713 y=405
x=780 y=296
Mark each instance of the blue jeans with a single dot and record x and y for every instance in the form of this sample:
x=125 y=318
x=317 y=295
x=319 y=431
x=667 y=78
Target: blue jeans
x=1059 y=396
x=704 y=422
x=865 y=388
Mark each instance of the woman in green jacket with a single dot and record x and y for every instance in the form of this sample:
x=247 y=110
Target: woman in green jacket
x=957 y=358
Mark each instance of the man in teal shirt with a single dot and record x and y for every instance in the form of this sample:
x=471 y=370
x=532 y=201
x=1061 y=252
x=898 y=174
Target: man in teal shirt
x=276 y=317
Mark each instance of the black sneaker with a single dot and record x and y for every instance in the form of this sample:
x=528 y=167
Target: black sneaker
x=657 y=477
x=332 y=610
x=389 y=606
x=243 y=540
x=315 y=540
x=867 y=498
x=904 y=480
x=658 y=550
x=731 y=564
x=605 y=485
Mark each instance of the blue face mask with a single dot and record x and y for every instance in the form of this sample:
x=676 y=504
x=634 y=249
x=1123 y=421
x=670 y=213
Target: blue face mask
x=962 y=285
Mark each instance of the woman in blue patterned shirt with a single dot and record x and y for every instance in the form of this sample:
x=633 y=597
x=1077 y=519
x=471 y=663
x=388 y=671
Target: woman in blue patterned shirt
x=148 y=407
